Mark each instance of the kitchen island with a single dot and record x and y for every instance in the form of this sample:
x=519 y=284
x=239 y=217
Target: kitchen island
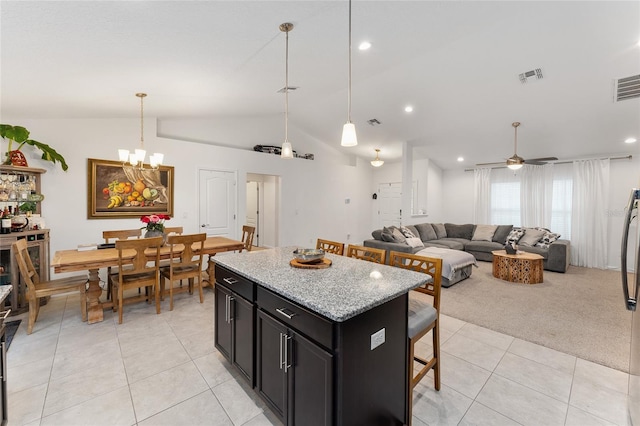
x=320 y=346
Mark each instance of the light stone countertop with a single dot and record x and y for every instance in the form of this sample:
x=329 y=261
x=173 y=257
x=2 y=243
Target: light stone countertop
x=345 y=289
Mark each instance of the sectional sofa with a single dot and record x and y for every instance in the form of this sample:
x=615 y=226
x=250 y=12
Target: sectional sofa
x=479 y=240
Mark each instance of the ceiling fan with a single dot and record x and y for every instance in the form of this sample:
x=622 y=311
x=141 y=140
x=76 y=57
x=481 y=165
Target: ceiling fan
x=515 y=161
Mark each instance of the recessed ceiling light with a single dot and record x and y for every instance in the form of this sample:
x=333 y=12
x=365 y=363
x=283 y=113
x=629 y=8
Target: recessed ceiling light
x=460 y=159
x=408 y=108
x=630 y=140
x=365 y=45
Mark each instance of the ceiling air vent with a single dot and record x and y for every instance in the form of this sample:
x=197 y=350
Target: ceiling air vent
x=628 y=88
x=532 y=75
x=373 y=122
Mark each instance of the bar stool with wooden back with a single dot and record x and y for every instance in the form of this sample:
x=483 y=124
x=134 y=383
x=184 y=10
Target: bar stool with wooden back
x=330 y=246
x=135 y=272
x=423 y=318
x=247 y=236
x=122 y=234
x=367 y=253
x=186 y=265
x=37 y=289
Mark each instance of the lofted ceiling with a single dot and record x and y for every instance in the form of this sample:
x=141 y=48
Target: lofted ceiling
x=456 y=62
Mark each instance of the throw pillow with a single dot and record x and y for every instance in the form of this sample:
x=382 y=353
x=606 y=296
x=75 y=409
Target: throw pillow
x=441 y=232
x=547 y=239
x=397 y=236
x=502 y=232
x=414 y=242
x=387 y=235
x=459 y=231
x=514 y=236
x=531 y=237
x=407 y=232
x=377 y=234
x=484 y=232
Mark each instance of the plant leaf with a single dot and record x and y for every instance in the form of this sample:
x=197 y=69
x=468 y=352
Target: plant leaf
x=15 y=133
x=48 y=153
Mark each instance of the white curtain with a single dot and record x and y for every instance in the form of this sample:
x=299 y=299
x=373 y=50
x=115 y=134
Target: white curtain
x=482 y=196
x=588 y=220
x=536 y=194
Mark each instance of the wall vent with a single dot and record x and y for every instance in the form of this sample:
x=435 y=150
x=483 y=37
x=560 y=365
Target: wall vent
x=373 y=122
x=532 y=75
x=628 y=88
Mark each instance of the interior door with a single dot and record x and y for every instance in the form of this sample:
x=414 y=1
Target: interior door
x=390 y=204
x=217 y=210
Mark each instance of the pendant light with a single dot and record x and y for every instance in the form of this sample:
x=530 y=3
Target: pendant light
x=515 y=162
x=137 y=157
x=377 y=162
x=287 y=150
x=349 y=129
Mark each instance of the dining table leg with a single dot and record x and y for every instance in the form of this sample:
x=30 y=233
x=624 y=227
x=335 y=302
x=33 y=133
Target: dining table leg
x=211 y=274
x=94 y=308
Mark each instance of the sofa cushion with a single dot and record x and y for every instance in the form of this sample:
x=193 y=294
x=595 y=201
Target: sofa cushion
x=452 y=243
x=514 y=236
x=426 y=232
x=387 y=235
x=547 y=239
x=501 y=234
x=459 y=231
x=377 y=234
x=537 y=250
x=531 y=237
x=441 y=231
x=482 y=246
x=484 y=233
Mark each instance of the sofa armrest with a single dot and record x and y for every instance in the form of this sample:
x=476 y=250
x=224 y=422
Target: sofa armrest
x=559 y=256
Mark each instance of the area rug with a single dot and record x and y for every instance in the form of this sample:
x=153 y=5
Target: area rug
x=10 y=330
x=580 y=312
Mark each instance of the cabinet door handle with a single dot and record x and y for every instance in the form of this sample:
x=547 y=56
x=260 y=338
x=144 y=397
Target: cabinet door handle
x=287 y=366
x=286 y=312
x=231 y=310
x=4 y=361
x=227 y=314
x=280 y=360
x=230 y=280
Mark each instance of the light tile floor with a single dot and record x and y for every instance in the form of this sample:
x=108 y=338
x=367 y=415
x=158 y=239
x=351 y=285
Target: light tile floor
x=164 y=369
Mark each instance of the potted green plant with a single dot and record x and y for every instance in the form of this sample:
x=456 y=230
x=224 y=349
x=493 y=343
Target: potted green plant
x=20 y=135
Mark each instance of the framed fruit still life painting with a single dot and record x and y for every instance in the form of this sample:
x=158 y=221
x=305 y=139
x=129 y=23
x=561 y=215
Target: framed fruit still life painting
x=117 y=190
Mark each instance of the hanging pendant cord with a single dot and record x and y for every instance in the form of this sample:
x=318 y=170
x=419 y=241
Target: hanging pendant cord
x=349 y=87
x=141 y=96
x=286 y=89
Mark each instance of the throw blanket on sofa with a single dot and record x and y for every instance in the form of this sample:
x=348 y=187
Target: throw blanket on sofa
x=452 y=260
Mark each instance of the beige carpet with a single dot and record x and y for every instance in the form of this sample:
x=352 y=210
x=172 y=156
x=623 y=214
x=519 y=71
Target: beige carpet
x=580 y=312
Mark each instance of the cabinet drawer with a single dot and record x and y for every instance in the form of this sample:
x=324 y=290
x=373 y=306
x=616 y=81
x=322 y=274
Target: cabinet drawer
x=235 y=282
x=296 y=317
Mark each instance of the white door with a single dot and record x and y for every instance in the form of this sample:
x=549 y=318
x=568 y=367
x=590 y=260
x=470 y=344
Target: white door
x=253 y=211
x=390 y=204
x=217 y=211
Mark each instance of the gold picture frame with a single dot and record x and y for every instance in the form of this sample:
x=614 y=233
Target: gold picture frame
x=117 y=190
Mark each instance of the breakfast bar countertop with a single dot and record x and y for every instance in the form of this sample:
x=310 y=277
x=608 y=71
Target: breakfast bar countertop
x=345 y=289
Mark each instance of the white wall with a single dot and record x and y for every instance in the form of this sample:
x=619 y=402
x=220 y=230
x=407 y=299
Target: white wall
x=313 y=193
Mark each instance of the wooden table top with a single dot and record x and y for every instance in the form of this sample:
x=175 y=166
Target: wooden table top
x=522 y=255
x=74 y=260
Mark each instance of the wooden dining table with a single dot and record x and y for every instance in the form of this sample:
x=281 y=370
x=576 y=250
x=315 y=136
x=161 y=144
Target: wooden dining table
x=93 y=260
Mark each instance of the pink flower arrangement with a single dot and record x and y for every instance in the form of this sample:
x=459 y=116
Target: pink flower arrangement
x=154 y=222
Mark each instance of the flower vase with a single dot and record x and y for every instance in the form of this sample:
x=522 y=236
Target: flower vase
x=156 y=233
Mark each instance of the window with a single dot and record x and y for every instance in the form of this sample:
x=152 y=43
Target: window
x=505 y=203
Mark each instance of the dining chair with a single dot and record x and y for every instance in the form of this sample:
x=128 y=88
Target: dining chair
x=122 y=234
x=247 y=236
x=173 y=230
x=184 y=264
x=37 y=289
x=330 y=246
x=134 y=271
x=423 y=317
x=367 y=253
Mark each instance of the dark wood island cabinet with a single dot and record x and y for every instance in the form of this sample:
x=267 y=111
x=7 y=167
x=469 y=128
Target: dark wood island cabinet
x=326 y=347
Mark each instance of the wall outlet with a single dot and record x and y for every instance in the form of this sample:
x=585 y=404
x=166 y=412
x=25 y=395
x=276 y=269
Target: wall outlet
x=377 y=338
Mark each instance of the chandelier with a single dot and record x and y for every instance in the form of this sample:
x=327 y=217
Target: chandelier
x=137 y=157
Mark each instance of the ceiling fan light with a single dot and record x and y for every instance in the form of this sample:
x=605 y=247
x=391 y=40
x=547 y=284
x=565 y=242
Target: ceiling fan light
x=514 y=166
x=515 y=162
x=349 y=137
